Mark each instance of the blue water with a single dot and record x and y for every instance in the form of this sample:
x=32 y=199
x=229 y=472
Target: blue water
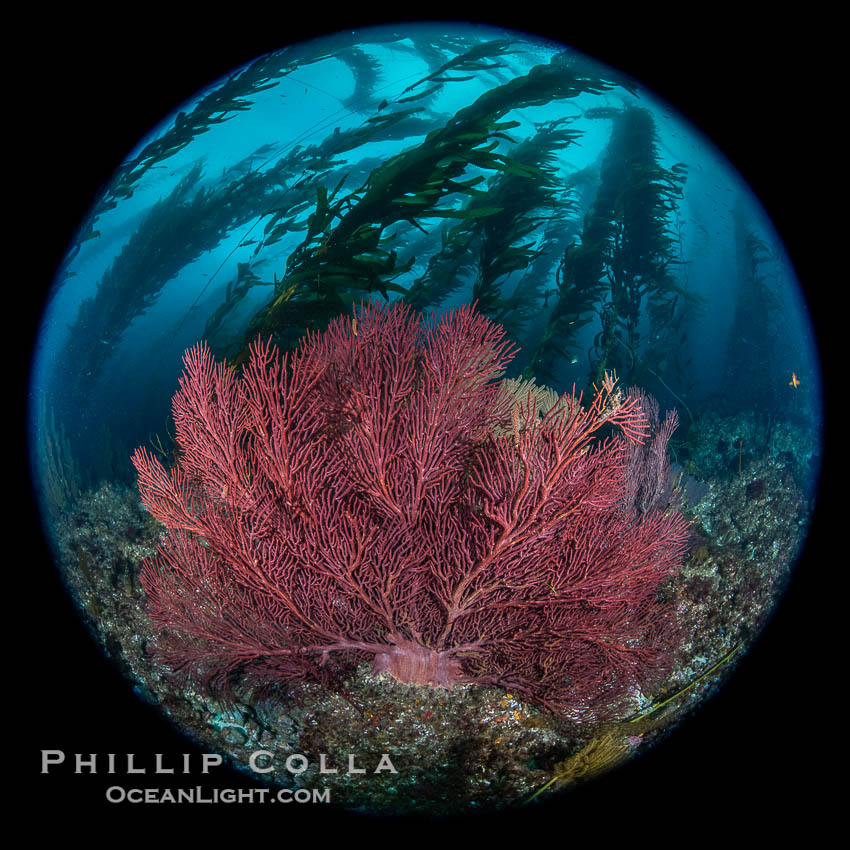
x=121 y=313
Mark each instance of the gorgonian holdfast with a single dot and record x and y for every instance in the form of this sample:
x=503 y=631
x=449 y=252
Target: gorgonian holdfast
x=379 y=494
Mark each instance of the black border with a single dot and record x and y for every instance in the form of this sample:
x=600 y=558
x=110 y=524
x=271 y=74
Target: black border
x=92 y=88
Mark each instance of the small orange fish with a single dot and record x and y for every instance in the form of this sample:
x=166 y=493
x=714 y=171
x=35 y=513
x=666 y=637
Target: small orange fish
x=794 y=382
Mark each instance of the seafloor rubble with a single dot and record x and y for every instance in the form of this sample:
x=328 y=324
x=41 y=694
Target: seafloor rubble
x=470 y=748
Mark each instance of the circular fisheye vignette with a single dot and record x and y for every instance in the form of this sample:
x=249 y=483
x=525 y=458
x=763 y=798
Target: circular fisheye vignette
x=476 y=157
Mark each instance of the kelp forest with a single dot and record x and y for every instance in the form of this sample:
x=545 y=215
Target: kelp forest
x=470 y=173
x=581 y=266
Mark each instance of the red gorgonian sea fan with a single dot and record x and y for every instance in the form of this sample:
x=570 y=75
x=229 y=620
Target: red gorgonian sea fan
x=377 y=494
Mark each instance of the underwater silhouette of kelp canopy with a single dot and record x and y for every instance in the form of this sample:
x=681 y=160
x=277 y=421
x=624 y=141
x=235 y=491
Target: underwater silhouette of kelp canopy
x=481 y=200
x=494 y=245
x=345 y=249
x=622 y=263
x=280 y=195
x=757 y=325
